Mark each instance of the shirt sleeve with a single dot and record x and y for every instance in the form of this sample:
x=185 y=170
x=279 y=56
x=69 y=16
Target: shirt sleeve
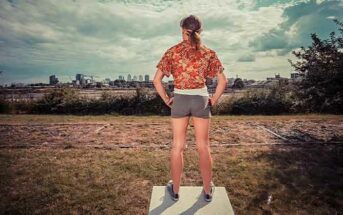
x=165 y=63
x=214 y=66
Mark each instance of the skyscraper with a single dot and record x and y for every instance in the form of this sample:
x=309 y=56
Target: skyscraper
x=53 y=80
x=79 y=77
x=146 y=78
x=121 y=77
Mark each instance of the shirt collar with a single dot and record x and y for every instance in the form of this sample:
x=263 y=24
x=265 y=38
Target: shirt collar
x=186 y=42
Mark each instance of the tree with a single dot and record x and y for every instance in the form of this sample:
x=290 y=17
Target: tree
x=321 y=65
x=238 y=83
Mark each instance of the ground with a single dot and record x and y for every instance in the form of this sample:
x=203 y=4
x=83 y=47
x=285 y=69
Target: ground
x=53 y=164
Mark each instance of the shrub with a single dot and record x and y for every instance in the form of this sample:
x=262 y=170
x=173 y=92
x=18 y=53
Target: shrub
x=273 y=101
x=68 y=101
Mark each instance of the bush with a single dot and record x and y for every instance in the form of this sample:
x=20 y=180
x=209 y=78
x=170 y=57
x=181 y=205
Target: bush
x=279 y=100
x=68 y=101
x=4 y=106
x=273 y=101
x=58 y=101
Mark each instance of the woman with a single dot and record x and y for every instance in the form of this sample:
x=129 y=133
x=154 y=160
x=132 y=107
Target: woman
x=190 y=62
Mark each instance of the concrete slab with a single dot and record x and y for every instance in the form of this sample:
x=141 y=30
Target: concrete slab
x=191 y=201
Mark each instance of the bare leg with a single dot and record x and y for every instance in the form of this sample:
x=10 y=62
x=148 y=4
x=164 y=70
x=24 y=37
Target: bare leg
x=179 y=126
x=201 y=127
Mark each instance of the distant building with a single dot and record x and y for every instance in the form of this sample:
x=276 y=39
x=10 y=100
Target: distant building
x=146 y=78
x=129 y=77
x=83 y=80
x=277 y=77
x=134 y=78
x=89 y=80
x=140 y=78
x=269 y=82
x=121 y=77
x=79 y=77
x=53 y=80
x=106 y=81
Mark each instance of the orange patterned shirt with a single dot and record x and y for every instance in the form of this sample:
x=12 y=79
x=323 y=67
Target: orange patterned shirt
x=190 y=67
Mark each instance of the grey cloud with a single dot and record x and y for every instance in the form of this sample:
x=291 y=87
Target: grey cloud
x=275 y=39
x=267 y=3
x=301 y=20
x=246 y=58
x=111 y=37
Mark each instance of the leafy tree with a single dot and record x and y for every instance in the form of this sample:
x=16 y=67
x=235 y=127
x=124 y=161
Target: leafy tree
x=238 y=83
x=321 y=66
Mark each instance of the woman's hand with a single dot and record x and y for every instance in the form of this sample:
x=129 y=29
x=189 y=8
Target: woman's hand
x=212 y=101
x=168 y=101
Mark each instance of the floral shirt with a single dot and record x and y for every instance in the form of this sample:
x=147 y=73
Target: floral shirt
x=190 y=67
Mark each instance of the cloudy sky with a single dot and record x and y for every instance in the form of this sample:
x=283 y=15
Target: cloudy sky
x=108 y=38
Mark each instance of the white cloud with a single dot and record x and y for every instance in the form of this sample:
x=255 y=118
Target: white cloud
x=108 y=38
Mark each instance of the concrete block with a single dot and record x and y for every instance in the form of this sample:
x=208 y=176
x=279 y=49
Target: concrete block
x=191 y=201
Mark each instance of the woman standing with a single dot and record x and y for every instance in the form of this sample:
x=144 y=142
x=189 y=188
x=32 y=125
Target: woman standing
x=190 y=62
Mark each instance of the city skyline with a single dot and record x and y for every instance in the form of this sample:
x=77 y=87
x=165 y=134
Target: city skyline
x=129 y=77
x=253 y=39
x=54 y=80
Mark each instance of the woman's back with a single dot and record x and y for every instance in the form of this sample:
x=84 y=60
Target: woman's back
x=190 y=67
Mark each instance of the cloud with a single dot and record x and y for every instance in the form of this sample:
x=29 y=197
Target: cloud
x=108 y=38
x=247 y=58
x=300 y=21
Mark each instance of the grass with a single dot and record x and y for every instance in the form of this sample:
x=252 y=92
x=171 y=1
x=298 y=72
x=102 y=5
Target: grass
x=300 y=180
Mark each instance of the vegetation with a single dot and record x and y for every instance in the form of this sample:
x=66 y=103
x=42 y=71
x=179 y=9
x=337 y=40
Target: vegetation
x=321 y=65
x=68 y=101
x=277 y=100
x=238 y=83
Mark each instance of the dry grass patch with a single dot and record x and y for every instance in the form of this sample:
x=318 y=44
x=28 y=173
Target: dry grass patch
x=61 y=168
x=299 y=180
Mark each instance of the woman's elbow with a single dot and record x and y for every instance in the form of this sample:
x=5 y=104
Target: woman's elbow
x=156 y=81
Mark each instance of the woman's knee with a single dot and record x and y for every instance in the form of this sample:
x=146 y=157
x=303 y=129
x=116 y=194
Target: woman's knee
x=203 y=148
x=178 y=148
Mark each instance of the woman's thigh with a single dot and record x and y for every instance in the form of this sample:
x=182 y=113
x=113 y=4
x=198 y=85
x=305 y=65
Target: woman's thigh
x=179 y=128
x=201 y=128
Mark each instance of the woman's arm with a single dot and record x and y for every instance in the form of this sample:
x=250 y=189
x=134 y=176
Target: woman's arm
x=160 y=88
x=222 y=82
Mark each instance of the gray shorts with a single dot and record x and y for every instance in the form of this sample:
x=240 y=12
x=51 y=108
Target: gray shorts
x=190 y=105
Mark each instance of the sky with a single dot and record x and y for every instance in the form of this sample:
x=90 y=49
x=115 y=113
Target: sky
x=107 y=38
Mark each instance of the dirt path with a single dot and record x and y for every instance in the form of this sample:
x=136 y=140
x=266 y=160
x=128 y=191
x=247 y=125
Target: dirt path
x=155 y=132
